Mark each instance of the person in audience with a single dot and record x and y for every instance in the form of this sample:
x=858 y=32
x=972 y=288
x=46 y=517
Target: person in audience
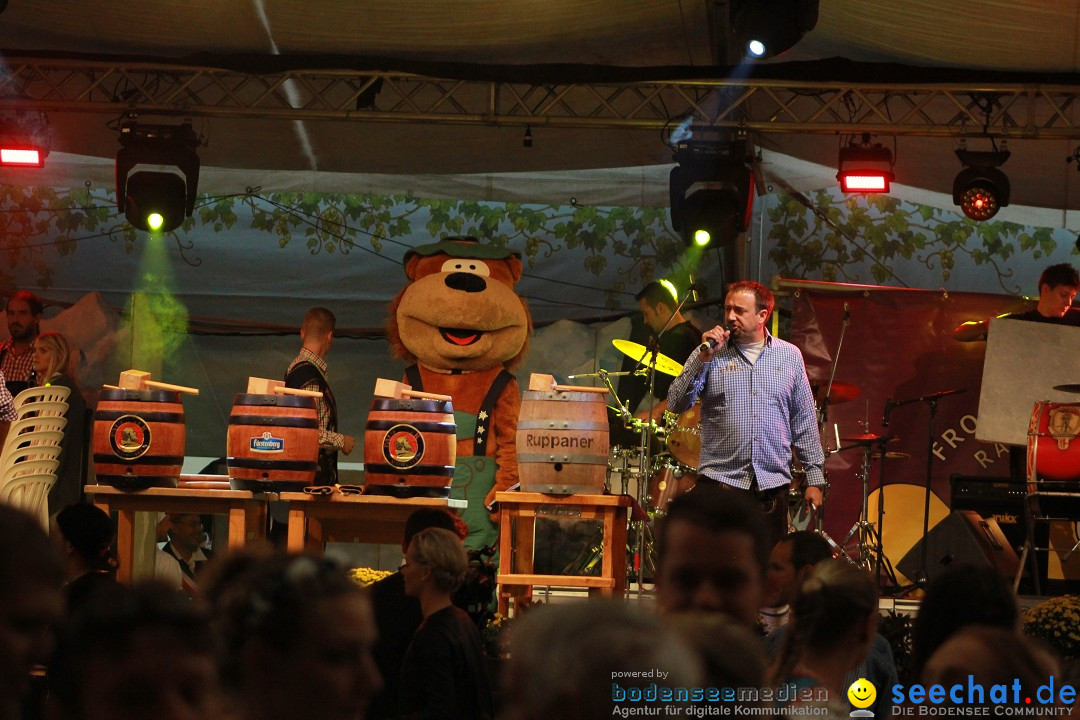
x=564 y=659
x=834 y=619
x=712 y=548
x=397 y=615
x=31 y=606
x=24 y=310
x=295 y=637
x=962 y=595
x=791 y=562
x=54 y=364
x=166 y=567
x=137 y=653
x=443 y=674
x=731 y=654
x=186 y=539
x=7 y=410
x=83 y=534
x=988 y=656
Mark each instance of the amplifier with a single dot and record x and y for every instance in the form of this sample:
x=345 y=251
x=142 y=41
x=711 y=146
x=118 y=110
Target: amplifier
x=1000 y=498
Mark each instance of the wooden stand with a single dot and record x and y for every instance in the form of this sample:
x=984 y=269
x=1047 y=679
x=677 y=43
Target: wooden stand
x=246 y=511
x=317 y=519
x=517 y=521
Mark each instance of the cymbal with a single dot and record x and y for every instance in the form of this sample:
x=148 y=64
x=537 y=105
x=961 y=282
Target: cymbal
x=1071 y=388
x=863 y=439
x=891 y=455
x=841 y=392
x=664 y=364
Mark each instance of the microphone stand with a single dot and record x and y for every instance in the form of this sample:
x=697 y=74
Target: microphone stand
x=823 y=411
x=931 y=400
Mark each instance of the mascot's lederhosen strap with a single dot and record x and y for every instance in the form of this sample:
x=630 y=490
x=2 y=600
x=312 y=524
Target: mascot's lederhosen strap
x=487 y=408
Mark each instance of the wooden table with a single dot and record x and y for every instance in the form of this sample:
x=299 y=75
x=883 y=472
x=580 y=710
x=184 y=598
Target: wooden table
x=246 y=511
x=516 y=525
x=317 y=519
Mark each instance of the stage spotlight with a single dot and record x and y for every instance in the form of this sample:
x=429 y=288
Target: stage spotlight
x=865 y=168
x=710 y=191
x=766 y=28
x=157 y=175
x=981 y=189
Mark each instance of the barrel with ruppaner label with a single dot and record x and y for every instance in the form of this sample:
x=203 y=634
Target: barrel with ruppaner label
x=562 y=442
x=139 y=438
x=273 y=442
x=410 y=447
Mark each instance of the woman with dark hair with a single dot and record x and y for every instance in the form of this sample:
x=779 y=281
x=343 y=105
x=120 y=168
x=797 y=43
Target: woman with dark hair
x=962 y=595
x=833 y=621
x=54 y=365
x=295 y=637
x=84 y=535
x=444 y=674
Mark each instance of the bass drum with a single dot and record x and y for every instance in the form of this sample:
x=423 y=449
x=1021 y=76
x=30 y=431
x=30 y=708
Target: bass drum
x=684 y=437
x=668 y=481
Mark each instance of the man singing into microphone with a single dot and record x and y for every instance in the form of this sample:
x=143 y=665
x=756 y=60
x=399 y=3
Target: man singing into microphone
x=756 y=405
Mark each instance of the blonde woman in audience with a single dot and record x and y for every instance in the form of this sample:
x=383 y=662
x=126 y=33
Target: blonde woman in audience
x=443 y=674
x=54 y=364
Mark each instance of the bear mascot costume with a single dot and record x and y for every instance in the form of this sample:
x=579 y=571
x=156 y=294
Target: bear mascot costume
x=462 y=328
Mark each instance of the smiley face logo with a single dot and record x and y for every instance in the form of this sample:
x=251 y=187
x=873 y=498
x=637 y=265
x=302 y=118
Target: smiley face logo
x=862 y=693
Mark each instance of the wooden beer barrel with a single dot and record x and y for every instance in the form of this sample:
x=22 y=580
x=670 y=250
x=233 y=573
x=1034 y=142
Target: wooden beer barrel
x=273 y=442
x=139 y=438
x=562 y=442
x=410 y=447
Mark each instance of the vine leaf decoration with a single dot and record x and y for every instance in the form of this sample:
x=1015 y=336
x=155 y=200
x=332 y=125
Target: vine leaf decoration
x=837 y=239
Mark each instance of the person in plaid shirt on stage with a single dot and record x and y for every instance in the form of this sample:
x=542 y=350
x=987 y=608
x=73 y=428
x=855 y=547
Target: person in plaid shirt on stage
x=17 y=353
x=756 y=405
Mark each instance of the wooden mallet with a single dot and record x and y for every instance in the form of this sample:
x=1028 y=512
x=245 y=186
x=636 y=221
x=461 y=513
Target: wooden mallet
x=399 y=390
x=140 y=380
x=264 y=386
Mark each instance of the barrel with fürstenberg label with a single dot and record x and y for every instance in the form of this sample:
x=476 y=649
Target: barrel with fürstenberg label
x=562 y=442
x=273 y=442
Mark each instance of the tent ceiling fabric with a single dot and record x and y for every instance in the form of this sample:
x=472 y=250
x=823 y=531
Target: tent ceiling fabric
x=1029 y=35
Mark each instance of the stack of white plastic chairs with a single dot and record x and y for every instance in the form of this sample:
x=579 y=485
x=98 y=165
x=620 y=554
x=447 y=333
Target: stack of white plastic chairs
x=31 y=450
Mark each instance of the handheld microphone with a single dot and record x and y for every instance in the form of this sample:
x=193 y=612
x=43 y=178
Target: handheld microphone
x=847 y=312
x=710 y=343
x=889 y=405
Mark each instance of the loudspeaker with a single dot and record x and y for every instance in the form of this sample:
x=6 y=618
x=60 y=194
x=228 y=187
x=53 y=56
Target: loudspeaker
x=962 y=537
x=1000 y=498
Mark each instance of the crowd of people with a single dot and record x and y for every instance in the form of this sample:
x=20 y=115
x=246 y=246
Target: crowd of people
x=271 y=635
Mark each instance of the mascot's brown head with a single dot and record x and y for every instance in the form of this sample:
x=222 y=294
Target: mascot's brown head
x=459 y=310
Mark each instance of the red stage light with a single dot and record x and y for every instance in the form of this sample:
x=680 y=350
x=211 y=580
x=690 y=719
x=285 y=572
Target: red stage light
x=864 y=181
x=865 y=168
x=979 y=204
x=21 y=156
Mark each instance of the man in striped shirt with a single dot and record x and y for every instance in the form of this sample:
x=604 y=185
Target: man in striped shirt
x=756 y=405
x=7 y=409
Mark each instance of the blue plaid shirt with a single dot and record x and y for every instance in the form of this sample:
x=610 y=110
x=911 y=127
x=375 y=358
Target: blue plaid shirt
x=7 y=404
x=752 y=415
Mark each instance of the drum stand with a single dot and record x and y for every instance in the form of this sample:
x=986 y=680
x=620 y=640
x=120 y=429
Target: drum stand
x=870 y=553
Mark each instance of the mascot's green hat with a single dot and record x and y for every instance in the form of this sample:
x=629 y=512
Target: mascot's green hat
x=462 y=247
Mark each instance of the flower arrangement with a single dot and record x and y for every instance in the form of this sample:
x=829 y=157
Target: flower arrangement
x=1057 y=621
x=366 y=576
x=493 y=633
